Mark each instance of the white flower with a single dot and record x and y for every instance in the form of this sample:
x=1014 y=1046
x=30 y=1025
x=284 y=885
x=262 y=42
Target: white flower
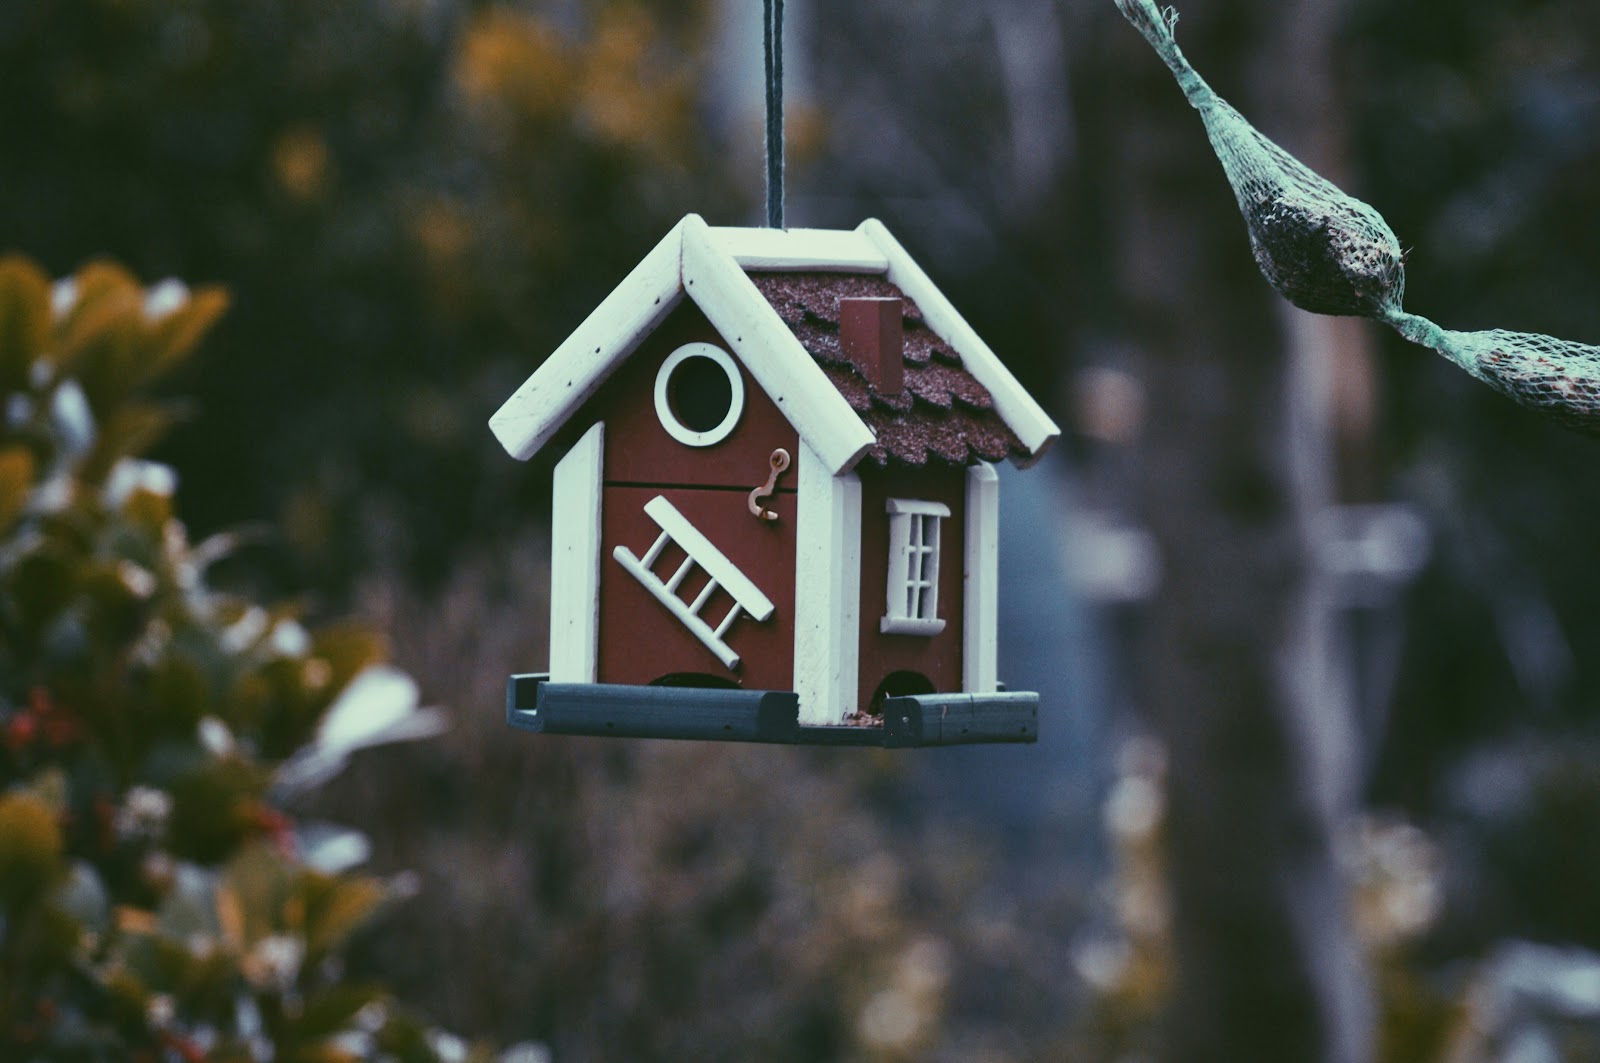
x=215 y=736
x=246 y=631
x=447 y=1046
x=159 y=1010
x=140 y=581
x=74 y=420
x=133 y=474
x=143 y=815
x=275 y=961
x=289 y=639
x=527 y=1052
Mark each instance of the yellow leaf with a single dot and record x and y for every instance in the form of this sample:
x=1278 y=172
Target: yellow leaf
x=175 y=336
x=302 y=163
x=100 y=338
x=16 y=480
x=102 y=292
x=517 y=61
x=132 y=920
x=24 y=319
x=98 y=282
x=349 y=649
x=230 y=917
x=339 y=909
x=258 y=880
x=30 y=848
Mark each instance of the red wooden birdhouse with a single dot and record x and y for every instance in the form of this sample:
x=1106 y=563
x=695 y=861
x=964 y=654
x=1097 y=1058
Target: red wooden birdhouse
x=776 y=516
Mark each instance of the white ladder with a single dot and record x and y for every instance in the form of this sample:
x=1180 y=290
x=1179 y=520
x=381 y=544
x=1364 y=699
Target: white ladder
x=747 y=597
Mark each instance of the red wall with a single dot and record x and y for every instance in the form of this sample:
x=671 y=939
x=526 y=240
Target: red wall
x=639 y=450
x=640 y=641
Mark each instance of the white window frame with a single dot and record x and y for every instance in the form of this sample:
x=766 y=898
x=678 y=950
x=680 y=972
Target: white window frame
x=912 y=606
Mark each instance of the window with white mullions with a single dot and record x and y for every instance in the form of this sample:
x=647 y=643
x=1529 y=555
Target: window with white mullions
x=913 y=591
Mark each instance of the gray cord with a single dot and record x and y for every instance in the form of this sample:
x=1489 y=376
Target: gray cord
x=772 y=32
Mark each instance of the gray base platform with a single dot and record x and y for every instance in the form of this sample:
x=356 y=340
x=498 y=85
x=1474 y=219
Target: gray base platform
x=533 y=703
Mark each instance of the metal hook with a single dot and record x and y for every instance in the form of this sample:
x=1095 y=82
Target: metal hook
x=779 y=462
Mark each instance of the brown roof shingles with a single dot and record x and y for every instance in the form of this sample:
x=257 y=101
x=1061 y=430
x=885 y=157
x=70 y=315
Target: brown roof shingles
x=944 y=415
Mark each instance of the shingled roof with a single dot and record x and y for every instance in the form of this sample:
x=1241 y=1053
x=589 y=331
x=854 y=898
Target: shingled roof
x=943 y=416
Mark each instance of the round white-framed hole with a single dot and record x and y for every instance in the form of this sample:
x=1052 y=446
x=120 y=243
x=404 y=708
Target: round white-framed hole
x=699 y=394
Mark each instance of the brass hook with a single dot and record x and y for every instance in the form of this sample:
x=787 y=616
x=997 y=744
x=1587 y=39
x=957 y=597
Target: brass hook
x=779 y=462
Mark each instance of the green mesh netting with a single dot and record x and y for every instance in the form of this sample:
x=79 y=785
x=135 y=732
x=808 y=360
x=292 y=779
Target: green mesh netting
x=1330 y=253
x=1558 y=378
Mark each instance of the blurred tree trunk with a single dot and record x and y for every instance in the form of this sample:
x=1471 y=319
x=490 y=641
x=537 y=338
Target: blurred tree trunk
x=1237 y=461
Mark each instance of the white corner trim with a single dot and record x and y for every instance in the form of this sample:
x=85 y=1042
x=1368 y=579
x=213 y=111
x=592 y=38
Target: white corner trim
x=827 y=591
x=1016 y=407
x=789 y=376
x=981 y=587
x=837 y=250
x=747 y=597
x=575 y=561
x=571 y=375
x=669 y=419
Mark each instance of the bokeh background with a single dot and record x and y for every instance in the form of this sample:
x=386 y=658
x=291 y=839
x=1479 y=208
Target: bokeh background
x=1312 y=614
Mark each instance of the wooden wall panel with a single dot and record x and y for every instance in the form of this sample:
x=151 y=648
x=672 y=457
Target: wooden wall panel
x=639 y=450
x=640 y=641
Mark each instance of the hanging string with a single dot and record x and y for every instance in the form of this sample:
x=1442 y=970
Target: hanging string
x=772 y=32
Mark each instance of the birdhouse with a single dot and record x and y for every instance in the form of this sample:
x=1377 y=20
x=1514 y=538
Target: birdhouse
x=775 y=516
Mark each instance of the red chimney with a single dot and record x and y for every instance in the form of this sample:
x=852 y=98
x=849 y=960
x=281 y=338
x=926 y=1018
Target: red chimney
x=871 y=335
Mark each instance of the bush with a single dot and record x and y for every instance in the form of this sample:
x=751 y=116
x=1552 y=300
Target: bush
x=157 y=902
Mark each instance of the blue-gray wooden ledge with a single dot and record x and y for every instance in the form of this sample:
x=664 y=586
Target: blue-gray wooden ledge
x=533 y=703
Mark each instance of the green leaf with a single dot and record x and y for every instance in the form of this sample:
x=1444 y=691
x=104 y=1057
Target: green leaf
x=334 y=1009
x=116 y=598
x=179 y=694
x=41 y=586
x=213 y=809
x=127 y=432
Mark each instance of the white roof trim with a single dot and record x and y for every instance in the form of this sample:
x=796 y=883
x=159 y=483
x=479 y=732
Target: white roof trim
x=568 y=378
x=789 y=376
x=1014 y=405
x=709 y=266
x=839 y=250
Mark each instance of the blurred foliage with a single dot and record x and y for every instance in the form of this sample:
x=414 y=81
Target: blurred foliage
x=414 y=201
x=1477 y=128
x=156 y=901
x=1517 y=1001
